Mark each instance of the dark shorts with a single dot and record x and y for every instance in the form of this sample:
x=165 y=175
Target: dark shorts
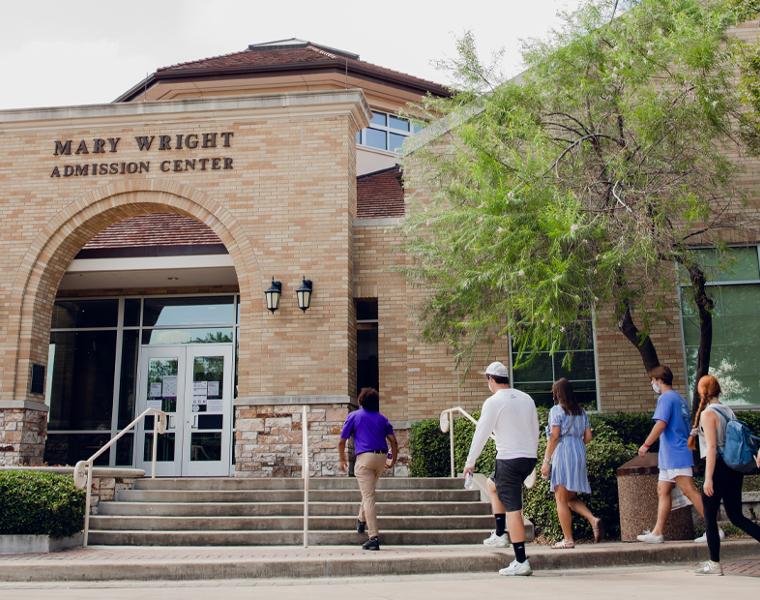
x=509 y=478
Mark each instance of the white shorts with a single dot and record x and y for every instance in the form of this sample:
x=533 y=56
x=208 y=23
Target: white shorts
x=670 y=475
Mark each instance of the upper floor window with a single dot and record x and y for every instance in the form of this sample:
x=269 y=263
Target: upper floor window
x=387 y=131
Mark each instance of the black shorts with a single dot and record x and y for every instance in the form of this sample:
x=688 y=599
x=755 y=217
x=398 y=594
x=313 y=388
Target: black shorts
x=509 y=478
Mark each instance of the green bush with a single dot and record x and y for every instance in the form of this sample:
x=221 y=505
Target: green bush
x=428 y=449
x=631 y=428
x=36 y=503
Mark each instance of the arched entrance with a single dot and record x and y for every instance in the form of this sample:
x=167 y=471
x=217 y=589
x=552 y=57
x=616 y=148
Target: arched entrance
x=41 y=274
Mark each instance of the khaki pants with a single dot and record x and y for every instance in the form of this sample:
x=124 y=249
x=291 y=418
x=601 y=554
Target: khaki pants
x=369 y=467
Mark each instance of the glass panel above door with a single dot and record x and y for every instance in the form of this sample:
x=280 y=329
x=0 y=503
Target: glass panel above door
x=187 y=336
x=199 y=310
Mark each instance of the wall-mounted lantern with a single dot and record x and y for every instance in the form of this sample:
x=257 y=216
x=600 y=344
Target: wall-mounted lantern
x=303 y=294
x=273 y=294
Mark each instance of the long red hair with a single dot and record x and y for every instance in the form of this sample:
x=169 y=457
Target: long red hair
x=708 y=389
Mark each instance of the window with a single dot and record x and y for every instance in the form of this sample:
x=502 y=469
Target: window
x=367 y=364
x=387 y=131
x=536 y=377
x=733 y=280
x=96 y=342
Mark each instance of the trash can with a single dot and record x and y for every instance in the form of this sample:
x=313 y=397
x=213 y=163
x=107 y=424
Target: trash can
x=637 y=495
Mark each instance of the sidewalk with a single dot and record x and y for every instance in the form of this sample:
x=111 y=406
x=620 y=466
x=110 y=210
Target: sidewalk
x=104 y=563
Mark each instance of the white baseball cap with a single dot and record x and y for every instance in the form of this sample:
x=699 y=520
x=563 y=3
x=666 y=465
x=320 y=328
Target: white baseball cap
x=496 y=368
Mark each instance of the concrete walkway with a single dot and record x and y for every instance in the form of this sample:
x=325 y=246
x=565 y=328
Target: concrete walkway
x=650 y=582
x=104 y=563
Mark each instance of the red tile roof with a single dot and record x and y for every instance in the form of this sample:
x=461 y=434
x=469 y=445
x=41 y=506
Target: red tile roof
x=283 y=56
x=157 y=229
x=379 y=195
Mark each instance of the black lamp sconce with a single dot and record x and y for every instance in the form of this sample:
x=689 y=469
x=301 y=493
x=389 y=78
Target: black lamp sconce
x=272 y=295
x=303 y=294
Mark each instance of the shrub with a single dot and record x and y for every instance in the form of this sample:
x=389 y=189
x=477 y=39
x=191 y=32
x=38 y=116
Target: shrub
x=33 y=502
x=631 y=428
x=429 y=450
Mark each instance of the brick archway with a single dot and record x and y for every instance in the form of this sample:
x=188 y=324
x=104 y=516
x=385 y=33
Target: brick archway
x=47 y=259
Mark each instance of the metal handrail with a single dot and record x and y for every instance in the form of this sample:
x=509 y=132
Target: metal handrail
x=83 y=469
x=447 y=424
x=305 y=474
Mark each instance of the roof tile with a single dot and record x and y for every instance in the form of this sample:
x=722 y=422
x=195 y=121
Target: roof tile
x=379 y=195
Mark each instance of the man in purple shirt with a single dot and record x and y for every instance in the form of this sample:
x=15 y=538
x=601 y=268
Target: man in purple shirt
x=372 y=432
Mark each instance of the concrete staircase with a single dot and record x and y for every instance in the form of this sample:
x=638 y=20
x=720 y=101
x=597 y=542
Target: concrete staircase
x=269 y=512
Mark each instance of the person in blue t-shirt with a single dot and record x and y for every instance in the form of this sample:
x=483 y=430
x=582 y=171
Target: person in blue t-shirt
x=672 y=428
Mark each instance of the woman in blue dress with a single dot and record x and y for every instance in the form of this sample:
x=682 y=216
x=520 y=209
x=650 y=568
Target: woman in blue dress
x=568 y=432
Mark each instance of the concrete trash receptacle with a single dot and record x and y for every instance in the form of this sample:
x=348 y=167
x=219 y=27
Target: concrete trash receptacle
x=637 y=495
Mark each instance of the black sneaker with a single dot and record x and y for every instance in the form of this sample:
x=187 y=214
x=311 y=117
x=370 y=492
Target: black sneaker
x=361 y=526
x=371 y=544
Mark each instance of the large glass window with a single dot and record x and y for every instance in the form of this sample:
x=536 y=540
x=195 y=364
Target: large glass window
x=734 y=285
x=387 y=131
x=537 y=376
x=82 y=386
x=96 y=342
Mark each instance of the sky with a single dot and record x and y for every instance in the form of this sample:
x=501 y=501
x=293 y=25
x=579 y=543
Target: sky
x=67 y=52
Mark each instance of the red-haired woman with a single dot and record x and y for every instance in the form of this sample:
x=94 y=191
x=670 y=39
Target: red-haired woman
x=568 y=432
x=721 y=481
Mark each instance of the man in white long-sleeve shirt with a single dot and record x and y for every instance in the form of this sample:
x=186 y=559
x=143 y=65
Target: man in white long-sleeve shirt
x=511 y=416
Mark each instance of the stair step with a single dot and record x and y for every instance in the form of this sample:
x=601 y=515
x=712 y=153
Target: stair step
x=419 y=495
x=263 y=509
x=286 y=538
x=282 y=483
x=343 y=523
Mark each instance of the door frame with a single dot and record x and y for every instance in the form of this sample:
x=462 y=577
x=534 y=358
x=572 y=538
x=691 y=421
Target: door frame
x=182 y=421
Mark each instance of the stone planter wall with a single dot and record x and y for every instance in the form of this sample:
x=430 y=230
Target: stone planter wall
x=23 y=427
x=27 y=544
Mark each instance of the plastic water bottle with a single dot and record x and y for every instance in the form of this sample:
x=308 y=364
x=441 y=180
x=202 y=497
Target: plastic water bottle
x=468 y=482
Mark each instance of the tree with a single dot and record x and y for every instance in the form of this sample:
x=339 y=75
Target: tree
x=578 y=186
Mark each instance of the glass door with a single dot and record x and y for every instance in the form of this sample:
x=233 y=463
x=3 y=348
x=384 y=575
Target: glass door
x=193 y=384
x=161 y=384
x=208 y=418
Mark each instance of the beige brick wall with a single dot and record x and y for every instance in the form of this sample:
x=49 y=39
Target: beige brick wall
x=284 y=210
x=417 y=379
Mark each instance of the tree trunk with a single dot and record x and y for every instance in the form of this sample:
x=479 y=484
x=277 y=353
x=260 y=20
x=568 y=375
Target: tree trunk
x=642 y=342
x=705 y=306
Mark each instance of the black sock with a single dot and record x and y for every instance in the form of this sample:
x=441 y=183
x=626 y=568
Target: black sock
x=501 y=523
x=519 y=548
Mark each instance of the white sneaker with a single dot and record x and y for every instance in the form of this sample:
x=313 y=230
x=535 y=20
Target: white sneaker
x=517 y=569
x=497 y=541
x=650 y=538
x=709 y=568
x=702 y=539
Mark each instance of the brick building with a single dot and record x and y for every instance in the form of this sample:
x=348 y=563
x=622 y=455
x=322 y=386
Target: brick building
x=140 y=237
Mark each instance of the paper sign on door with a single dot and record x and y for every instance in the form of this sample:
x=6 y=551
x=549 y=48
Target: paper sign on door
x=155 y=390
x=170 y=386
x=213 y=389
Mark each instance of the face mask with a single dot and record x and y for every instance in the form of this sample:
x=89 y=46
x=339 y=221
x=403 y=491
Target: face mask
x=656 y=387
